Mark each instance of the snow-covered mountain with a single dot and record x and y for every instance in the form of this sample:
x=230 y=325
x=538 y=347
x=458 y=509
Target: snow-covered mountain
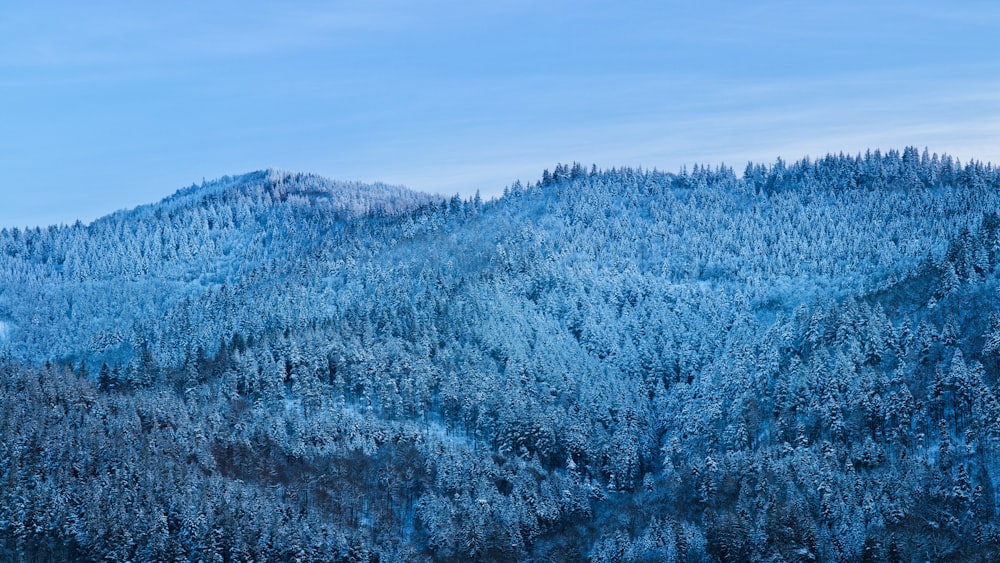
x=79 y=292
x=796 y=363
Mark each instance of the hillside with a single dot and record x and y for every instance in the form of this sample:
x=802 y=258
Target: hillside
x=798 y=363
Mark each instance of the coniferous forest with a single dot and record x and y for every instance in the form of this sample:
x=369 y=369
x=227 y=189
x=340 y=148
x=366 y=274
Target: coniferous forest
x=792 y=362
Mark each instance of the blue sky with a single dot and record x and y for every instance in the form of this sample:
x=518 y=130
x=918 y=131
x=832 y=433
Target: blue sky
x=110 y=104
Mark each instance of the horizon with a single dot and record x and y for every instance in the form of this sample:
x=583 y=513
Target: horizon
x=114 y=106
x=737 y=171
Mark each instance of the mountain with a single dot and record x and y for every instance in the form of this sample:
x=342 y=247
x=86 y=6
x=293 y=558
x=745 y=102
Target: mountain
x=798 y=363
x=78 y=292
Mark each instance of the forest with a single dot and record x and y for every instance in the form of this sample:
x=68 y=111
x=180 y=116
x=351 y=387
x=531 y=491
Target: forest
x=797 y=362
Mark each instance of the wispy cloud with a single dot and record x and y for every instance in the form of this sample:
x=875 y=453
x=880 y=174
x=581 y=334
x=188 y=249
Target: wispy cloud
x=716 y=122
x=134 y=99
x=123 y=33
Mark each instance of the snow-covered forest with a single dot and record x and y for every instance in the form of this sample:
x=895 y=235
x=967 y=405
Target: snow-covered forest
x=799 y=362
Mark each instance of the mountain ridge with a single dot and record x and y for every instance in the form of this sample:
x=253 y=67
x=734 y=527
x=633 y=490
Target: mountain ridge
x=354 y=199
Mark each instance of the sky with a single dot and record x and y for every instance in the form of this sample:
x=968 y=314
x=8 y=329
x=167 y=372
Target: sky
x=106 y=105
